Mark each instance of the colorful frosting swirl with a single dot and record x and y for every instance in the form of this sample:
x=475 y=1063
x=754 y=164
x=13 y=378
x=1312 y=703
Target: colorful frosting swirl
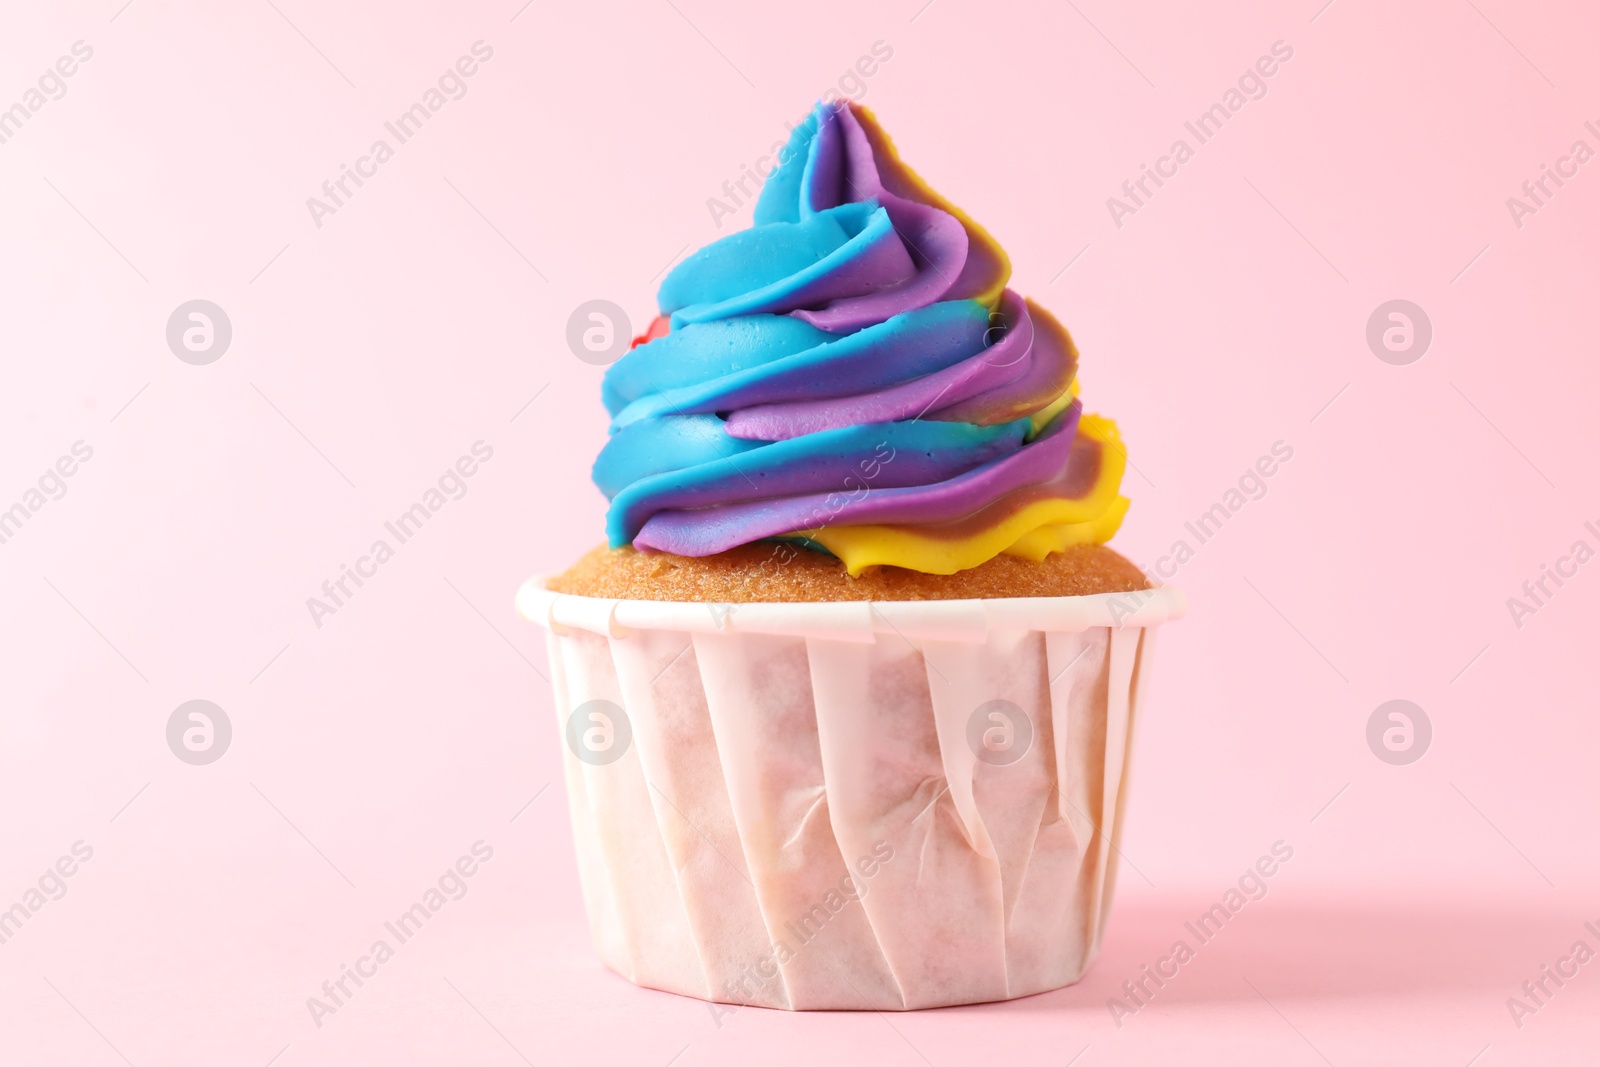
x=852 y=372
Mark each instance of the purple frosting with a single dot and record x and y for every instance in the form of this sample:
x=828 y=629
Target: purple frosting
x=852 y=358
x=702 y=533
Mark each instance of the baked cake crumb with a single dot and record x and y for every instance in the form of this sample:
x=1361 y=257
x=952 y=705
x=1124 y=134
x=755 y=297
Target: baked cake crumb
x=781 y=573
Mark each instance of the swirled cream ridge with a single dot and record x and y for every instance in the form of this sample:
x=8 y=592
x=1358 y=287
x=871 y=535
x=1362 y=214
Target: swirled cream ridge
x=852 y=372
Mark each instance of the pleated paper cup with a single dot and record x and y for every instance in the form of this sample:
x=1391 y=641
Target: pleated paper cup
x=887 y=805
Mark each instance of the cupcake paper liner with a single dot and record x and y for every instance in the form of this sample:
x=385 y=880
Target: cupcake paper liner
x=881 y=806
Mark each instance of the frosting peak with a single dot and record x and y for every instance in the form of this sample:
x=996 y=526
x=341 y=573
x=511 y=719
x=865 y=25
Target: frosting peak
x=852 y=372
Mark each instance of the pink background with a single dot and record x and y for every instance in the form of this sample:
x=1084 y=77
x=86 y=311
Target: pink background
x=368 y=354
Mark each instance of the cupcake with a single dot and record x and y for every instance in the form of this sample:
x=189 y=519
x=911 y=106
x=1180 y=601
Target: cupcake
x=847 y=695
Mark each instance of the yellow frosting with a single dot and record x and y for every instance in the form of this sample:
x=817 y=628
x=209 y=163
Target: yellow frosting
x=1045 y=415
x=1032 y=531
